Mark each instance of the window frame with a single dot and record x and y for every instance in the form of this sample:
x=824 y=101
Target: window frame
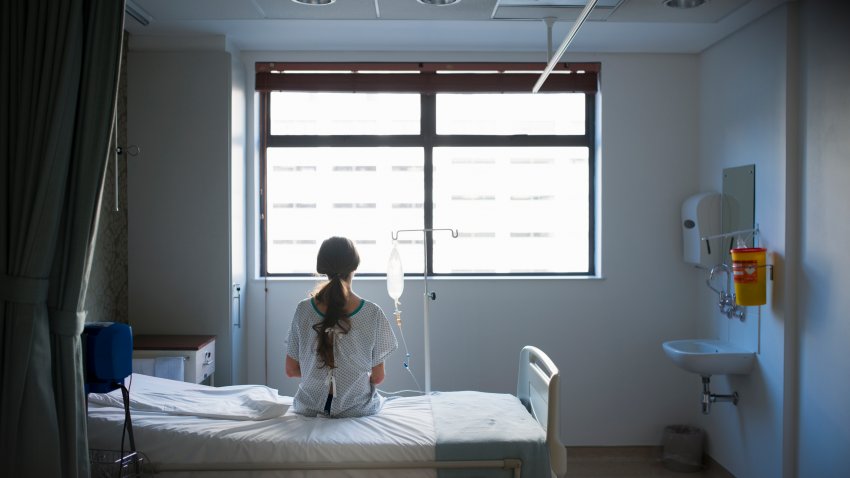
x=428 y=140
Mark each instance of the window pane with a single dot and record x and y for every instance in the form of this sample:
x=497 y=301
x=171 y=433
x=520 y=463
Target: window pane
x=298 y=113
x=511 y=113
x=360 y=193
x=517 y=210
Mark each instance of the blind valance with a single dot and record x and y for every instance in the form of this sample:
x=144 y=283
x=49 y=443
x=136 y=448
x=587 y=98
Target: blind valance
x=425 y=77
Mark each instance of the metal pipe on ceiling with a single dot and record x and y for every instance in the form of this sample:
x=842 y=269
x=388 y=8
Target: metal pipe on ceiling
x=566 y=43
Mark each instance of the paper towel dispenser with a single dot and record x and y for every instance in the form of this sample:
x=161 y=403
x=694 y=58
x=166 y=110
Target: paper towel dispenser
x=701 y=218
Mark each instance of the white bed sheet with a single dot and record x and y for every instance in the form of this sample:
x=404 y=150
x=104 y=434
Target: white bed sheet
x=402 y=432
x=172 y=397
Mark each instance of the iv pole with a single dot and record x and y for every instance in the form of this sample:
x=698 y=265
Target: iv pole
x=426 y=297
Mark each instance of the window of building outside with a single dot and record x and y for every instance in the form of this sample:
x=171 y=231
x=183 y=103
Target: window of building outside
x=512 y=172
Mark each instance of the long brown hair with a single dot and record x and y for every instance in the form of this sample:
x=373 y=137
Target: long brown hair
x=337 y=259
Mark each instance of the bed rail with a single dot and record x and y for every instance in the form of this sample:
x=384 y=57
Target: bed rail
x=538 y=388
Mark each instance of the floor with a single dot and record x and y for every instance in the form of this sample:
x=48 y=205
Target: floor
x=630 y=462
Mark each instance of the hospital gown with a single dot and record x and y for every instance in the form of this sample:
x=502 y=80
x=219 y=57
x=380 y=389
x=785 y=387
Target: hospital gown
x=366 y=345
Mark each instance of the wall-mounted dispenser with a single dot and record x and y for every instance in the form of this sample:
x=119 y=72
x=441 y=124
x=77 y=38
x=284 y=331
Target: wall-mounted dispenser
x=701 y=218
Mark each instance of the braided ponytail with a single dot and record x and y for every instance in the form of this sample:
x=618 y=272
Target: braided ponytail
x=337 y=259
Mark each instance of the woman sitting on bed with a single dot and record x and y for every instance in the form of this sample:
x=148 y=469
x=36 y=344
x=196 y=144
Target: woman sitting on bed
x=338 y=341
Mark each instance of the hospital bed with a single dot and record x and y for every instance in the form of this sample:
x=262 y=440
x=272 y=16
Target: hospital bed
x=191 y=430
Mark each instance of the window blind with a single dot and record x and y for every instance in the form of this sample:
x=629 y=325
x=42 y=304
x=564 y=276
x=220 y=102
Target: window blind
x=424 y=77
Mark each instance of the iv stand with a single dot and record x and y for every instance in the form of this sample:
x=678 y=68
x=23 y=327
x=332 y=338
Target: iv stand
x=426 y=297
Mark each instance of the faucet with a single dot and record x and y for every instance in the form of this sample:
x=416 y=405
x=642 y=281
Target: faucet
x=727 y=303
x=726 y=299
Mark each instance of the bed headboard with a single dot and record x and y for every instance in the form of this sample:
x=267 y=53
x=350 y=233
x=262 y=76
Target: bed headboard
x=537 y=389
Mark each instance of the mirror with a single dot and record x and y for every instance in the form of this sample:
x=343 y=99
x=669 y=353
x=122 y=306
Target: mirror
x=738 y=207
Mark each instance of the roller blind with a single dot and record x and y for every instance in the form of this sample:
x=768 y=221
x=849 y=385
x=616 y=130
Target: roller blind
x=424 y=77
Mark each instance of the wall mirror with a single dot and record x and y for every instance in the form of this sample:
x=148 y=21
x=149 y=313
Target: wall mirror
x=738 y=207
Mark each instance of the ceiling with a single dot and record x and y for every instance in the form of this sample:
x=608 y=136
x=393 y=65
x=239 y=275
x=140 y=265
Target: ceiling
x=638 y=26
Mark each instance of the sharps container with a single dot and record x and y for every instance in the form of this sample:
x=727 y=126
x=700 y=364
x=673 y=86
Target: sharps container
x=748 y=269
x=682 y=448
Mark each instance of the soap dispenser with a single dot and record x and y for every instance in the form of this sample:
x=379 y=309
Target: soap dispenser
x=701 y=218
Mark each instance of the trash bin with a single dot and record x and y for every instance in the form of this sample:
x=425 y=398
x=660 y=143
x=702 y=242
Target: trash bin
x=682 y=448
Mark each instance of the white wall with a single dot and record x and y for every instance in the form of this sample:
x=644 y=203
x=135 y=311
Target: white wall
x=238 y=204
x=824 y=390
x=178 y=113
x=743 y=121
x=605 y=334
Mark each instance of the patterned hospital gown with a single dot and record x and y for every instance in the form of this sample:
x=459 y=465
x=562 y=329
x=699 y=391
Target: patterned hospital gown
x=366 y=345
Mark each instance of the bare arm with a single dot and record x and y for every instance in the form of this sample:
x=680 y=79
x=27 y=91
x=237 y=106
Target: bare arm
x=377 y=374
x=293 y=368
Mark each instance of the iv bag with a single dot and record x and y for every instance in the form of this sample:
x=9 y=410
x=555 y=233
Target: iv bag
x=395 y=275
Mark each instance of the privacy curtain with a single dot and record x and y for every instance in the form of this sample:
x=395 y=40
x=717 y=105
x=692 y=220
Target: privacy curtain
x=59 y=63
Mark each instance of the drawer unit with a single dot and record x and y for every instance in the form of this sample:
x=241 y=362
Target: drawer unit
x=198 y=352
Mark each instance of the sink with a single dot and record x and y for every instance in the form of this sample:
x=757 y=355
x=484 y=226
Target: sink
x=709 y=357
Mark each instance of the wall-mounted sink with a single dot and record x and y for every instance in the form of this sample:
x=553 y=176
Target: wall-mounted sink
x=709 y=357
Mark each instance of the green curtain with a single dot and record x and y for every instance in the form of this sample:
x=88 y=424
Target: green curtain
x=59 y=65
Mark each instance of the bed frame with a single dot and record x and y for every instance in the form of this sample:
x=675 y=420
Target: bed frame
x=537 y=389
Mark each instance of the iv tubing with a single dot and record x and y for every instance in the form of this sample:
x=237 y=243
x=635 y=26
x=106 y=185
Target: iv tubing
x=406 y=352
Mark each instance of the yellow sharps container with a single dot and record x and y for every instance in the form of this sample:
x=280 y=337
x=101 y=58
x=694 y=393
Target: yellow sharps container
x=748 y=269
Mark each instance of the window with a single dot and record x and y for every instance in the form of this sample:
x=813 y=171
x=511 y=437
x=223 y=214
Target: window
x=365 y=153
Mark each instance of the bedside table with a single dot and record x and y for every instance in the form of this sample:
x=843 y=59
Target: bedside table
x=198 y=352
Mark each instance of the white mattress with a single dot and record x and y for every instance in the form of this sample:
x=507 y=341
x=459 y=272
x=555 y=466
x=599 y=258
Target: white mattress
x=402 y=432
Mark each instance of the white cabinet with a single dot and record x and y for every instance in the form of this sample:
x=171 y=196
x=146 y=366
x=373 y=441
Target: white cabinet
x=197 y=352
